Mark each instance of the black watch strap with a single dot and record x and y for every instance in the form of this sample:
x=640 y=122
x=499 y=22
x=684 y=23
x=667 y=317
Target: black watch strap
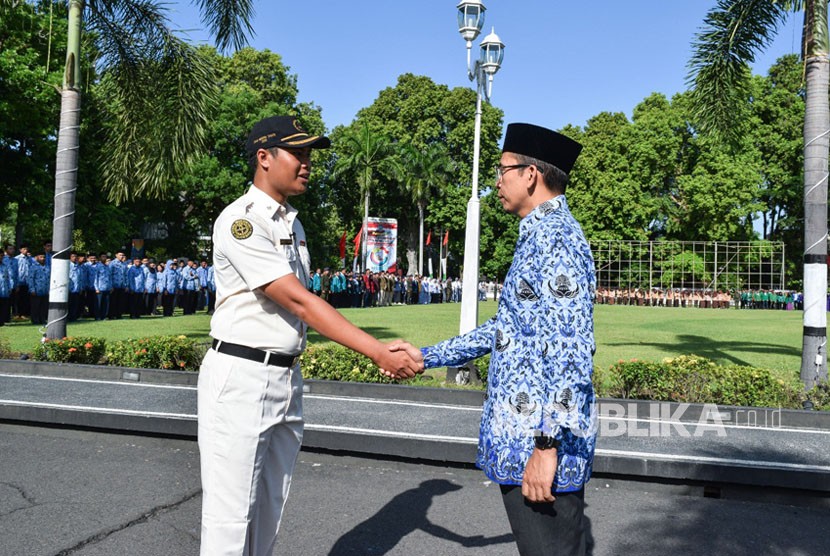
x=546 y=442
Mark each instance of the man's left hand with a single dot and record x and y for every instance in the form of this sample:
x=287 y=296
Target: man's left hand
x=538 y=477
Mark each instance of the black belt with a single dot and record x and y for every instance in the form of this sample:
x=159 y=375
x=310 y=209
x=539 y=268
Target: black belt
x=253 y=354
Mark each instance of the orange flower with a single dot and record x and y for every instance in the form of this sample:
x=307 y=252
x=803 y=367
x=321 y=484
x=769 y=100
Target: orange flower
x=72 y=350
x=181 y=363
x=88 y=345
x=144 y=350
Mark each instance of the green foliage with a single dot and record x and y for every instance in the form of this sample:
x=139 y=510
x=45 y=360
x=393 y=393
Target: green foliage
x=417 y=112
x=85 y=350
x=693 y=379
x=819 y=396
x=5 y=349
x=178 y=353
x=335 y=362
x=483 y=366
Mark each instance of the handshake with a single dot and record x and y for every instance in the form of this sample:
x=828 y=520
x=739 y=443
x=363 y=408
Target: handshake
x=399 y=359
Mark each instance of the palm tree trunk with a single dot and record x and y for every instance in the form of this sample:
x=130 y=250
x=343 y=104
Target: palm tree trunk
x=364 y=255
x=66 y=177
x=816 y=143
x=420 y=239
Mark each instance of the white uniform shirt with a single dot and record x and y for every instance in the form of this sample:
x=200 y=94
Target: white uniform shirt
x=256 y=240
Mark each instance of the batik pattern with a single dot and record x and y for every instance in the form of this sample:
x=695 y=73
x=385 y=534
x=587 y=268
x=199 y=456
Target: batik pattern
x=541 y=343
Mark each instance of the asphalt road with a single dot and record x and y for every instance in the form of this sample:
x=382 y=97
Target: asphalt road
x=68 y=492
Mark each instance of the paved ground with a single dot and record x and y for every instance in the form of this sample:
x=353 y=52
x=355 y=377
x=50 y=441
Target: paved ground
x=80 y=493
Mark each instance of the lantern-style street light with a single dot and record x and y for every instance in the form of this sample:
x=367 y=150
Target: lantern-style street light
x=470 y=22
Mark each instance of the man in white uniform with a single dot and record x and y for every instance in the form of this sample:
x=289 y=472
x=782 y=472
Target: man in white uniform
x=250 y=386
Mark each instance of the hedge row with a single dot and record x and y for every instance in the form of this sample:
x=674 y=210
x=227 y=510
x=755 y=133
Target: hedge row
x=154 y=352
x=694 y=379
x=687 y=378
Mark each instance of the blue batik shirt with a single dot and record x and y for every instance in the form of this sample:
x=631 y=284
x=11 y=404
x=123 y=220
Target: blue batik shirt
x=103 y=277
x=76 y=278
x=5 y=281
x=38 y=279
x=542 y=345
x=23 y=264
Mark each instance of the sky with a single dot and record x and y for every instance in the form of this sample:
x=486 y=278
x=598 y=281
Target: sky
x=564 y=61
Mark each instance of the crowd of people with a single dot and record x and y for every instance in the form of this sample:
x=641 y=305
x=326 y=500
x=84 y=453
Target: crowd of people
x=701 y=299
x=104 y=287
x=343 y=288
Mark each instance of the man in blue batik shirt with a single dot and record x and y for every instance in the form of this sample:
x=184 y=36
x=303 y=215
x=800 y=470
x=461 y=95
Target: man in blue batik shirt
x=538 y=426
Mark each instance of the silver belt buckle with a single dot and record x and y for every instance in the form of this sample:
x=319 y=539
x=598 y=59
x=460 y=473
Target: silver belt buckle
x=295 y=360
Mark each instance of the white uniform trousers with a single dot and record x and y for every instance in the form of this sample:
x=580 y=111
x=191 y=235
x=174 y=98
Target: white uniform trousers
x=250 y=431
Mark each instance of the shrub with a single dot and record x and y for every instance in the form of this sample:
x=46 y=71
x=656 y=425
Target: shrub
x=819 y=395
x=483 y=366
x=5 y=349
x=335 y=362
x=694 y=379
x=84 y=350
x=156 y=352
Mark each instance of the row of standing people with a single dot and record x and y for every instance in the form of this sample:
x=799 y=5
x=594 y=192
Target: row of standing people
x=344 y=288
x=702 y=299
x=103 y=288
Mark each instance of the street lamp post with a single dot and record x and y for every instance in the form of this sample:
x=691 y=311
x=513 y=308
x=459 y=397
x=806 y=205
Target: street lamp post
x=470 y=22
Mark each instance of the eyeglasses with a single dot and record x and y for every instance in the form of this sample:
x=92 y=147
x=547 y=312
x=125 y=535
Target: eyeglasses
x=501 y=170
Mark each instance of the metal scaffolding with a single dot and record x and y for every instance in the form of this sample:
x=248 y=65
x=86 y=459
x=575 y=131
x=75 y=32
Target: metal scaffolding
x=693 y=265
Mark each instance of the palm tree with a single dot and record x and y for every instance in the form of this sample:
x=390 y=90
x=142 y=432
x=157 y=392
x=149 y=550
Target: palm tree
x=734 y=32
x=158 y=90
x=366 y=154
x=426 y=170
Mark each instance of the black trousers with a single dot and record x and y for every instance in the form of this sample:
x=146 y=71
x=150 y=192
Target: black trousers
x=547 y=529
x=39 y=308
x=5 y=310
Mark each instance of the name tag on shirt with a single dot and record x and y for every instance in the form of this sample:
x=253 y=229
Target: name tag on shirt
x=286 y=242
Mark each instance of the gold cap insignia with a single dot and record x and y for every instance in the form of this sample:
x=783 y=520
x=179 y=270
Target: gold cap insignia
x=241 y=229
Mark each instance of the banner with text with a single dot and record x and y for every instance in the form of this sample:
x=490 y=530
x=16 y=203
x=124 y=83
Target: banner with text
x=382 y=244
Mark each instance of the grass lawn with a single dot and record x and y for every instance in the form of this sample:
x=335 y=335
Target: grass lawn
x=770 y=339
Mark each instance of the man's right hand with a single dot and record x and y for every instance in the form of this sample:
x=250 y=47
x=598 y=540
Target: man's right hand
x=399 y=362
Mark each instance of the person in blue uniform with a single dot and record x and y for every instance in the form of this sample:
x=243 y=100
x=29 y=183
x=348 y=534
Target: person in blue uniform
x=24 y=261
x=9 y=263
x=190 y=285
x=39 y=289
x=150 y=287
x=538 y=426
x=170 y=283
x=6 y=283
x=118 y=297
x=103 y=287
x=90 y=298
x=211 y=289
x=135 y=284
x=76 y=287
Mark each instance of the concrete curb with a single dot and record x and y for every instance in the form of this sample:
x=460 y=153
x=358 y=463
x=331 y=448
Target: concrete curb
x=643 y=409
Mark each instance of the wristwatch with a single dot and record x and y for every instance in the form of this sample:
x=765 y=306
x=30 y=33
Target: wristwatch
x=546 y=442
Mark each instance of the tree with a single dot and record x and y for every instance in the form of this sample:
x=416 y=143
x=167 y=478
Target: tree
x=426 y=171
x=157 y=89
x=366 y=154
x=419 y=112
x=28 y=114
x=734 y=32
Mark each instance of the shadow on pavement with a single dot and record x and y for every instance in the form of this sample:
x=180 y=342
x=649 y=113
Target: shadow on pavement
x=405 y=513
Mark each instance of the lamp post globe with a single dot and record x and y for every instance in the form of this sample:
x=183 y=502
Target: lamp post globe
x=470 y=19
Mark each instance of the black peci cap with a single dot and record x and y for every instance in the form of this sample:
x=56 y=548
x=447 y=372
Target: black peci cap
x=542 y=144
x=282 y=131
